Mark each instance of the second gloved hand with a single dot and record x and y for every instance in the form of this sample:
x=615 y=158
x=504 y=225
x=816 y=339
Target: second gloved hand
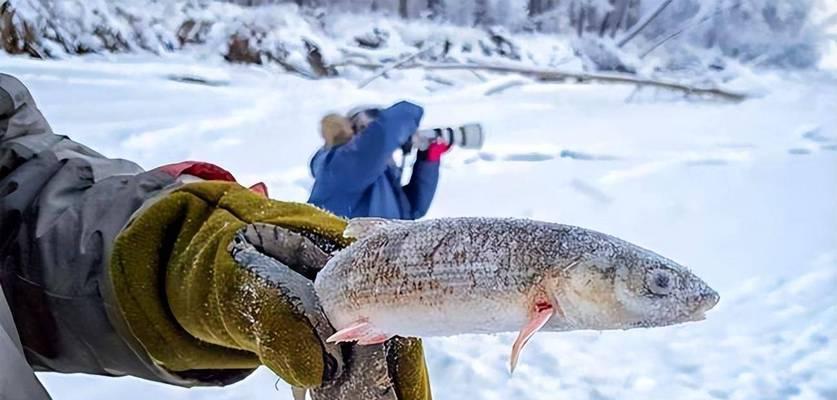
x=434 y=151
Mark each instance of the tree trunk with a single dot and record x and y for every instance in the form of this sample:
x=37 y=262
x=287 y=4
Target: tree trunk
x=300 y=3
x=403 y=10
x=436 y=7
x=534 y=8
x=615 y=18
x=481 y=12
x=538 y=7
x=588 y=17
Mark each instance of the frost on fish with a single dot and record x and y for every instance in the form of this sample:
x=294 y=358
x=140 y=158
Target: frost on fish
x=454 y=276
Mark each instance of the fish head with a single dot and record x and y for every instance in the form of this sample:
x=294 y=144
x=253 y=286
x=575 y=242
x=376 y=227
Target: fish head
x=632 y=288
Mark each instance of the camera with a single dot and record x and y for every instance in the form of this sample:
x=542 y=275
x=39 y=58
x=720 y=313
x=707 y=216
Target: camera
x=468 y=136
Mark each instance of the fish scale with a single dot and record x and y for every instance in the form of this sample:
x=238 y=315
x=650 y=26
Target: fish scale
x=416 y=264
x=452 y=276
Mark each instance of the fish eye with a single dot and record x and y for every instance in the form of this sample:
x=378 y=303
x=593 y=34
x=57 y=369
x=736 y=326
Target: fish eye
x=660 y=282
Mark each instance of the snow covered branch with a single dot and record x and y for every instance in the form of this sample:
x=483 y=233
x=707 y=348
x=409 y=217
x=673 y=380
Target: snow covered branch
x=643 y=23
x=396 y=64
x=555 y=75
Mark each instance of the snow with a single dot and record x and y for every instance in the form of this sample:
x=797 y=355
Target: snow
x=698 y=40
x=743 y=194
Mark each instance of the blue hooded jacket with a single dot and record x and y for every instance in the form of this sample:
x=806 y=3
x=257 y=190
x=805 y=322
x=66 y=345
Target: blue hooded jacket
x=360 y=179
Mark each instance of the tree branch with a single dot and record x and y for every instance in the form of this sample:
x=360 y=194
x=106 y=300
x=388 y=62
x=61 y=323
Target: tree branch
x=686 y=28
x=395 y=65
x=554 y=75
x=504 y=86
x=642 y=24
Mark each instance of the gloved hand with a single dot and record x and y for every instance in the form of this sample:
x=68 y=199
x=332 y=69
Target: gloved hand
x=215 y=277
x=434 y=151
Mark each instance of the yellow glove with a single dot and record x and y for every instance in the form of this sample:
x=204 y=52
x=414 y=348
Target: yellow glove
x=215 y=277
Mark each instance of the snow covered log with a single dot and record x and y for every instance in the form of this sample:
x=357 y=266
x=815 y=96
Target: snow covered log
x=554 y=75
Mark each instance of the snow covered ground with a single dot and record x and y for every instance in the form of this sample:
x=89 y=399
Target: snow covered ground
x=745 y=194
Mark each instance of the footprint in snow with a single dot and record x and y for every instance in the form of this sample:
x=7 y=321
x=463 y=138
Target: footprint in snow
x=578 y=155
x=536 y=156
x=814 y=136
x=711 y=162
x=590 y=191
x=797 y=151
x=525 y=157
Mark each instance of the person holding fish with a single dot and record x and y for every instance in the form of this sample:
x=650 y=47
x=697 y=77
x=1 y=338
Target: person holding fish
x=181 y=275
x=110 y=270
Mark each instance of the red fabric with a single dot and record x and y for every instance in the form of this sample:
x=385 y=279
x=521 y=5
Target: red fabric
x=260 y=188
x=203 y=170
x=436 y=149
x=209 y=172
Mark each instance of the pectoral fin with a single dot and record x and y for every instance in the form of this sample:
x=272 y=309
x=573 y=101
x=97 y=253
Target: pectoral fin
x=537 y=319
x=360 y=331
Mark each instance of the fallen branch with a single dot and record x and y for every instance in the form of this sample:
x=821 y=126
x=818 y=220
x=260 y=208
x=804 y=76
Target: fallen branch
x=552 y=75
x=439 y=80
x=395 y=65
x=197 y=80
x=504 y=86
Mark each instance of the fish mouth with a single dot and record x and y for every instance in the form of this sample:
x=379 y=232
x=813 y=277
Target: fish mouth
x=651 y=323
x=708 y=300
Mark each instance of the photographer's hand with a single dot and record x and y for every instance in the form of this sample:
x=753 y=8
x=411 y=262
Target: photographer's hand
x=434 y=151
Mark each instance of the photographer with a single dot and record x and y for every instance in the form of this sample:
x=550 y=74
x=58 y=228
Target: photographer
x=355 y=174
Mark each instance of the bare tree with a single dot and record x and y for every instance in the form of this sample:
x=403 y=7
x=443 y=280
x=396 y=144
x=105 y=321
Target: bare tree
x=436 y=7
x=538 y=7
x=590 y=17
x=403 y=8
x=614 y=18
x=481 y=16
x=643 y=23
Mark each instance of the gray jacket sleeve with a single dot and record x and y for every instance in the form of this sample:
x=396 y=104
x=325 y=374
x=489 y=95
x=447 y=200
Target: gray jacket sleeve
x=61 y=206
x=17 y=380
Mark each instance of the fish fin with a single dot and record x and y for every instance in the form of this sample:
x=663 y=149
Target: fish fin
x=361 y=331
x=299 y=393
x=355 y=331
x=540 y=315
x=374 y=338
x=359 y=228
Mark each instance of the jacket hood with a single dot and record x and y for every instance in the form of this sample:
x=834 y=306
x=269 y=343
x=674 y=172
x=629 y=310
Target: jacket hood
x=24 y=117
x=316 y=163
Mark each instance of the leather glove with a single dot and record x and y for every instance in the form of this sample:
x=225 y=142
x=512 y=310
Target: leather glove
x=215 y=277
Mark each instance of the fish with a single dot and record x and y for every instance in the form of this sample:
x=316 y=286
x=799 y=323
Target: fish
x=453 y=276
